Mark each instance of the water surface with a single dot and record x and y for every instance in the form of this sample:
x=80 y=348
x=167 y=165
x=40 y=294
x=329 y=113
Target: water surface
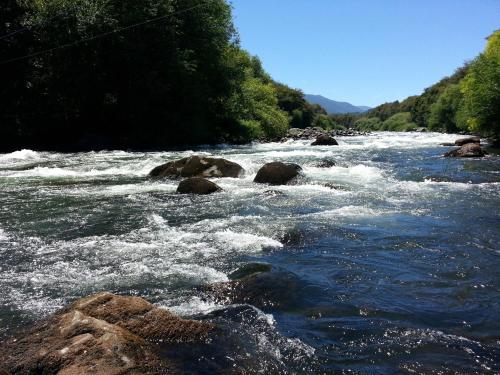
x=386 y=263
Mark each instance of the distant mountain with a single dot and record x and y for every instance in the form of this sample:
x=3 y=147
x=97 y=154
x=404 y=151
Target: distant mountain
x=331 y=106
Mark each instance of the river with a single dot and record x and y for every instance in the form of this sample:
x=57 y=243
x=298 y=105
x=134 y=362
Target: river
x=387 y=262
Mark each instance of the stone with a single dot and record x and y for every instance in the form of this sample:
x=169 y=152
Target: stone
x=198 y=166
x=197 y=185
x=101 y=334
x=324 y=140
x=277 y=173
x=469 y=150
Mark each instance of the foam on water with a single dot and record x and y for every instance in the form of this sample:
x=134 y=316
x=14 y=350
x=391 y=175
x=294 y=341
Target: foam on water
x=20 y=155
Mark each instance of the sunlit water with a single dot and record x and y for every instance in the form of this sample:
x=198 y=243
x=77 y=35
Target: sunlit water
x=392 y=272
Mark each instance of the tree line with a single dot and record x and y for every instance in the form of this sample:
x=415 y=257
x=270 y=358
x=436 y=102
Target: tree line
x=95 y=74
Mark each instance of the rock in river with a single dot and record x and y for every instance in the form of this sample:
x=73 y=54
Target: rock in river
x=197 y=185
x=324 y=140
x=464 y=141
x=277 y=173
x=469 y=150
x=198 y=166
x=100 y=334
x=325 y=163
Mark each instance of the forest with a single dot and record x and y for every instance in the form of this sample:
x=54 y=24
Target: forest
x=97 y=74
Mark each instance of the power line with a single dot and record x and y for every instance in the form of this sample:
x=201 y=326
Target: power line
x=120 y=29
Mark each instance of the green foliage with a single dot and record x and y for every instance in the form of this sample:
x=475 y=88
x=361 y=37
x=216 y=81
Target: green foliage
x=400 y=122
x=301 y=113
x=346 y=120
x=446 y=113
x=368 y=124
x=324 y=121
x=259 y=106
x=481 y=89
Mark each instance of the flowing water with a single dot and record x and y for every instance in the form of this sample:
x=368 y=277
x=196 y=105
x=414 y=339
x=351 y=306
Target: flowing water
x=387 y=262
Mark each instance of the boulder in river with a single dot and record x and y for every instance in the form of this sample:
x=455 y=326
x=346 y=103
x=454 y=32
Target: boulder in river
x=197 y=185
x=277 y=173
x=469 y=150
x=464 y=141
x=100 y=334
x=262 y=289
x=198 y=166
x=324 y=140
x=325 y=163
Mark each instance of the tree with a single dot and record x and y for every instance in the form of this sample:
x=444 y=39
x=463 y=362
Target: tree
x=446 y=113
x=481 y=89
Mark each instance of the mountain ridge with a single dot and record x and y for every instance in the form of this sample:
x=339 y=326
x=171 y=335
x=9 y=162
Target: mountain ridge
x=333 y=106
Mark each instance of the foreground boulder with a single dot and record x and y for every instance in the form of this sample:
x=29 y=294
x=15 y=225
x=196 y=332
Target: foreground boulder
x=277 y=173
x=197 y=166
x=469 y=150
x=197 y=185
x=324 y=140
x=100 y=334
x=464 y=141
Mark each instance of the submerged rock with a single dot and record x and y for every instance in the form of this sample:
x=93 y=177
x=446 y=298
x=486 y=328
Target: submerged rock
x=464 y=141
x=261 y=289
x=197 y=185
x=100 y=334
x=469 y=150
x=324 y=140
x=248 y=270
x=196 y=166
x=277 y=173
x=325 y=163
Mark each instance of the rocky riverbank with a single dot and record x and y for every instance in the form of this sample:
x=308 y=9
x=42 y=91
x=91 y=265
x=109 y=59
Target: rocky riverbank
x=315 y=132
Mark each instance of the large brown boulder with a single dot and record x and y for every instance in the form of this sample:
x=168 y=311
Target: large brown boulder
x=197 y=185
x=464 y=141
x=324 y=140
x=469 y=150
x=103 y=334
x=277 y=173
x=198 y=166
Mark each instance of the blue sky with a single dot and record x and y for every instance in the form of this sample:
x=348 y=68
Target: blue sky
x=365 y=52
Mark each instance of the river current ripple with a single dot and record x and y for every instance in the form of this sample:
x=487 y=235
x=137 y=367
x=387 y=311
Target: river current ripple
x=395 y=270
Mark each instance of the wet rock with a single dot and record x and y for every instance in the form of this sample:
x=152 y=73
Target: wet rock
x=277 y=173
x=197 y=166
x=262 y=289
x=324 y=140
x=274 y=193
x=469 y=150
x=293 y=237
x=437 y=179
x=100 y=334
x=325 y=163
x=333 y=186
x=249 y=269
x=197 y=185
x=464 y=141
x=447 y=144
